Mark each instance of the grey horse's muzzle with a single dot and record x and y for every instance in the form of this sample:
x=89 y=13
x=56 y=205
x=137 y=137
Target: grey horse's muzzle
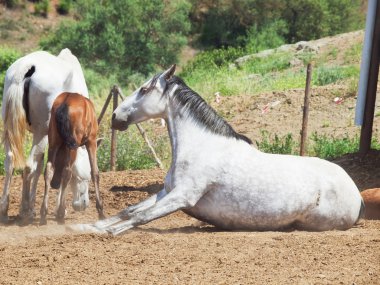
x=117 y=124
x=81 y=198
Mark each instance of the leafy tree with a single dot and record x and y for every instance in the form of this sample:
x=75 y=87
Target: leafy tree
x=222 y=23
x=226 y=22
x=269 y=36
x=343 y=15
x=305 y=19
x=310 y=19
x=124 y=35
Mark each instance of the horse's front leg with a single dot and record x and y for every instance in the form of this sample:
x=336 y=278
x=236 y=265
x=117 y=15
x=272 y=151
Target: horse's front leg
x=91 y=149
x=174 y=201
x=4 y=202
x=131 y=210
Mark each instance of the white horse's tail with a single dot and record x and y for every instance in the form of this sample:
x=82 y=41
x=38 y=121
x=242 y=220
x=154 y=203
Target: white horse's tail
x=15 y=111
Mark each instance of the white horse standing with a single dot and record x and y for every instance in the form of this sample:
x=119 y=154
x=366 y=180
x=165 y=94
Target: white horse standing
x=31 y=85
x=217 y=176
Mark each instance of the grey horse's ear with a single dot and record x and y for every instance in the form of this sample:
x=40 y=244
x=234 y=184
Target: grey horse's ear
x=170 y=72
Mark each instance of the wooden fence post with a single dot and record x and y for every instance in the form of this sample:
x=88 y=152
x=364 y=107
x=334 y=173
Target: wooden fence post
x=114 y=93
x=104 y=107
x=305 y=110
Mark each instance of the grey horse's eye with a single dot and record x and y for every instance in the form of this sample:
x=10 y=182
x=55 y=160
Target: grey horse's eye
x=143 y=90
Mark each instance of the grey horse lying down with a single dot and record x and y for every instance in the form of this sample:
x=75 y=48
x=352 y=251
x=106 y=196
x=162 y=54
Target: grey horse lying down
x=217 y=176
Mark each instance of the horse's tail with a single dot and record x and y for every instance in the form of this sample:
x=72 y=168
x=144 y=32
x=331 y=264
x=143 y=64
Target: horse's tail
x=64 y=129
x=16 y=111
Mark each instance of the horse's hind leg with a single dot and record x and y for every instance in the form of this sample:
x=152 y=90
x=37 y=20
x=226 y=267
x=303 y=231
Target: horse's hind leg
x=32 y=170
x=91 y=149
x=4 y=202
x=40 y=163
x=49 y=171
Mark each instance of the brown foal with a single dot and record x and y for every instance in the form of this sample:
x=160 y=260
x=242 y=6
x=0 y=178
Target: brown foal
x=73 y=124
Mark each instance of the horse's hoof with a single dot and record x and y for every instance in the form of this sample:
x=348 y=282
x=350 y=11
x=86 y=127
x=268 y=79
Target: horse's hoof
x=102 y=216
x=43 y=222
x=25 y=220
x=60 y=221
x=4 y=219
x=26 y=217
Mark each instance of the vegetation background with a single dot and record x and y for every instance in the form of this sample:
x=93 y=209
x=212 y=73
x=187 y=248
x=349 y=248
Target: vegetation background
x=125 y=41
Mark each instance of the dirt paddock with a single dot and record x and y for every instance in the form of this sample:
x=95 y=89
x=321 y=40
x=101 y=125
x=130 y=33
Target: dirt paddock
x=178 y=249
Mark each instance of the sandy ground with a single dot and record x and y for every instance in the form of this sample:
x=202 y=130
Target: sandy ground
x=178 y=249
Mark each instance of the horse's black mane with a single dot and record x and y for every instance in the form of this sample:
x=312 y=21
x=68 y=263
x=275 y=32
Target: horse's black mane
x=194 y=105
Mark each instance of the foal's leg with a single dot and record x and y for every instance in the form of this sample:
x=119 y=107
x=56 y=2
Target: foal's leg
x=4 y=202
x=91 y=149
x=131 y=210
x=66 y=176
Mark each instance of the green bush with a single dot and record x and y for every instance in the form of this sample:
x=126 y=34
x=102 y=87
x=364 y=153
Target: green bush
x=269 y=36
x=275 y=62
x=124 y=37
x=258 y=39
x=327 y=75
x=213 y=59
x=132 y=151
x=228 y=22
x=7 y=57
x=353 y=54
x=330 y=147
x=280 y=145
x=321 y=146
x=42 y=8
x=98 y=85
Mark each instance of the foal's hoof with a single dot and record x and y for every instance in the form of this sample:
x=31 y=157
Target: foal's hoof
x=55 y=184
x=43 y=222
